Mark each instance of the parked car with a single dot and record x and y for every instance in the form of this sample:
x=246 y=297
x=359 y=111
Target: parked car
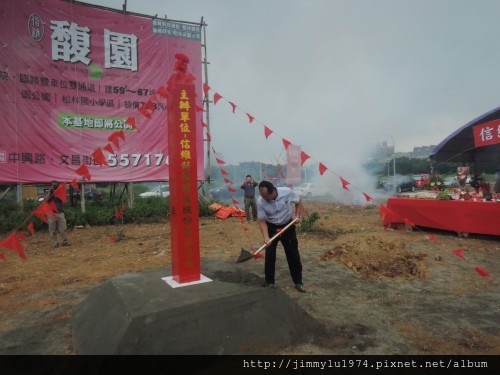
x=93 y=194
x=310 y=190
x=160 y=191
x=223 y=192
x=403 y=183
x=421 y=179
x=451 y=181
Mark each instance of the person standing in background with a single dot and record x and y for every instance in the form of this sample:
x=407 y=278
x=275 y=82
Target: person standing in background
x=249 y=186
x=57 y=223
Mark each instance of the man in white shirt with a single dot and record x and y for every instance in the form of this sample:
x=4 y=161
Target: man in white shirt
x=275 y=211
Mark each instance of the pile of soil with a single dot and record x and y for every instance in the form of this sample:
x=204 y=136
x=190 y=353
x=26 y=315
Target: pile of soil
x=375 y=290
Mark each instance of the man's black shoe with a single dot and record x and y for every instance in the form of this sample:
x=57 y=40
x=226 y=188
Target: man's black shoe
x=300 y=288
x=268 y=285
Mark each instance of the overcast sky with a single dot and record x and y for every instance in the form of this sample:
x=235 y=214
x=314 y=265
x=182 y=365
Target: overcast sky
x=337 y=76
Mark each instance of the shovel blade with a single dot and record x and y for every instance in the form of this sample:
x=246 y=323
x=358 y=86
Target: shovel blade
x=244 y=256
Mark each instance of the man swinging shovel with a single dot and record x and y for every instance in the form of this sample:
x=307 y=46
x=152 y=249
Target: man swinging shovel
x=277 y=223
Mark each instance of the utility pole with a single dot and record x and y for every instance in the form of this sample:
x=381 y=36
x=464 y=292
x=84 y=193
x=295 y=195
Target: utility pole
x=206 y=102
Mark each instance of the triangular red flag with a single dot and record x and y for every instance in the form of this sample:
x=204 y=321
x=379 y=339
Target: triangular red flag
x=203 y=124
x=60 y=192
x=235 y=201
x=224 y=172
x=109 y=149
x=99 y=157
x=344 y=183
x=303 y=157
x=12 y=243
x=46 y=209
x=131 y=121
x=31 y=228
x=53 y=206
x=286 y=143
x=322 y=169
x=206 y=88
x=220 y=161
x=209 y=137
x=233 y=105
x=40 y=214
x=121 y=133
x=199 y=109
x=21 y=236
x=250 y=117
x=217 y=96
x=432 y=237
x=145 y=111
x=162 y=91
x=75 y=185
x=113 y=138
x=482 y=272
x=228 y=181
x=460 y=253
x=267 y=132
x=367 y=197
x=231 y=189
x=83 y=171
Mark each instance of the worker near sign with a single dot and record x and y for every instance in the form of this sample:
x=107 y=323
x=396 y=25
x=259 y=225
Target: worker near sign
x=275 y=211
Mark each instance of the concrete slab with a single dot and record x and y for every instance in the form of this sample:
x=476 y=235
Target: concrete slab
x=140 y=313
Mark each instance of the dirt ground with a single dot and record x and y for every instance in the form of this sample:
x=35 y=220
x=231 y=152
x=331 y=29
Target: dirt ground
x=375 y=290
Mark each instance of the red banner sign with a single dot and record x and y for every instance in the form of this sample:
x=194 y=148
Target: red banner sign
x=184 y=221
x=487 y=133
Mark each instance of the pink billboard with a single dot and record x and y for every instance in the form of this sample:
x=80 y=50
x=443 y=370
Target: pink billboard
x=71 y=75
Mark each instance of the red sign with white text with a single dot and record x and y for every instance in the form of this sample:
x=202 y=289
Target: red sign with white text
x=487 y=133
x=71 y=75
x=184 y=221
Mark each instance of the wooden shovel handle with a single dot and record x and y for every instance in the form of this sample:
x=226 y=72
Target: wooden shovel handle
x=277 y=235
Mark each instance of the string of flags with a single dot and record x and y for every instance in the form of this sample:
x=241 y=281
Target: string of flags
x=384 y=210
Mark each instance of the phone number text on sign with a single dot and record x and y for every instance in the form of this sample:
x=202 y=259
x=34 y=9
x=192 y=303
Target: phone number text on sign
x=133 y=160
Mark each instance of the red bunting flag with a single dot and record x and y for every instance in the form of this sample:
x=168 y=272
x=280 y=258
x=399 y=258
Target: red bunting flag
x=119 y=212
x=303 y=157
x=203 y=124
x=286 y=143
x=163 y=92
x=130 y=121
x=145 y=111
x=209 y=137
x=322 y=169
x=45 y=209
x=206 y=88
x=109 y=148
x=233 y=105
x=121 y=133
x=31 y=228
x=228 y=181
x=60 y=192
x=432 y=237
x=53 y=206
x=83 y=171
x=199 y=109
x=113 y=138
x=460 y=253
x=267 y=132
x=217 y=97
x=12 y=243
x=234 y=201
x=224 y=172
x=367 y=197
x=40 y=213
x=99 y=157
x=75 y=185
x=21 y=236
x=231 y=189
x=250 y=117
x=220 y=161
x=482 y=272
x=344 y=183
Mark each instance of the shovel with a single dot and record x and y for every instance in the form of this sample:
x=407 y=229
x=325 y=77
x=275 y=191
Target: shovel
x=247 y=255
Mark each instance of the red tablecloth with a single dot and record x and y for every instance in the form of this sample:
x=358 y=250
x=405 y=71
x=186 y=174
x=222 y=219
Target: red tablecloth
x=453 y=215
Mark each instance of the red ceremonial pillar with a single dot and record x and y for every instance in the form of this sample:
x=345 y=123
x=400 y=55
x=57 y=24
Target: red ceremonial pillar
x=184 y=220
